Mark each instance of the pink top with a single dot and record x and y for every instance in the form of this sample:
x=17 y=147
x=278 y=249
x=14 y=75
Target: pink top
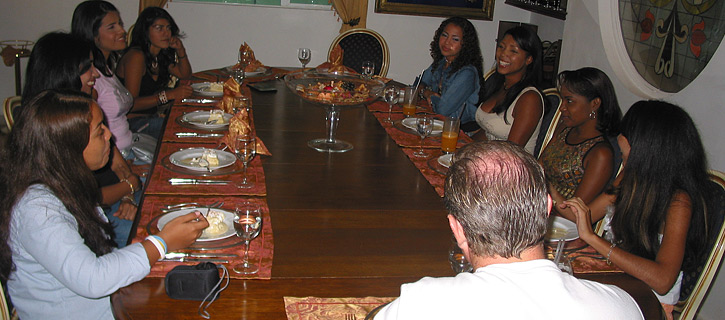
x=115 y=101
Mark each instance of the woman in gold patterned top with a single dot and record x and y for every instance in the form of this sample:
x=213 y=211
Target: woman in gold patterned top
x=579 y=160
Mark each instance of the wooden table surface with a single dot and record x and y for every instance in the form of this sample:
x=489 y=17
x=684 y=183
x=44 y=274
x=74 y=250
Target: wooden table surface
x=352 y=224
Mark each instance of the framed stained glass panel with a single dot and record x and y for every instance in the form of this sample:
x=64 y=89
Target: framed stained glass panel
x=671 y=41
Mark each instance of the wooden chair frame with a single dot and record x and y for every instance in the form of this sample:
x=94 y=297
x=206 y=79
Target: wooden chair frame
x=8 y=106
x=688 y=308
x=386 y=51
x=554 y=120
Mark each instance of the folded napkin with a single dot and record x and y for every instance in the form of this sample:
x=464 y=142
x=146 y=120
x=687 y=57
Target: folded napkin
x=231 y=90
x=252 y=64
x=241 y=124
x=335 y=63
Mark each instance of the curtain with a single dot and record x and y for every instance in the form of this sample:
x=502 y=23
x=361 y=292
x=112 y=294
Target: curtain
x=353 y=13
x=143 y=4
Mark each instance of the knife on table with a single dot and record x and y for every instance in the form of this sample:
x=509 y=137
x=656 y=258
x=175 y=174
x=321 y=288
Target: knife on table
x=198 y=135
x=177 y=255
x=190 y=259
x=182 y=181
x=191 y=100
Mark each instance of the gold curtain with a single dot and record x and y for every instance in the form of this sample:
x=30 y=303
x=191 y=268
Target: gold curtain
x=353 y=13
x=143 y=4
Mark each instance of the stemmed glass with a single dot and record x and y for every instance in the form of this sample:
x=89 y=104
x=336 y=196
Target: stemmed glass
x=245 y=149
x=304 y=54
x=391 y=97
x=368 y=68
x=424 y=126
x=458 y=260
x=247 y=225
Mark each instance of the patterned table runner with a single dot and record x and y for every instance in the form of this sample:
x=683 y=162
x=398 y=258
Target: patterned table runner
x=584 y=259
x=159 y=184
x=406 y=137
x=261 y=249
x=315 y=308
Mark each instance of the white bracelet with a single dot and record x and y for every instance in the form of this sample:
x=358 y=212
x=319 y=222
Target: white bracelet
x=160 y=247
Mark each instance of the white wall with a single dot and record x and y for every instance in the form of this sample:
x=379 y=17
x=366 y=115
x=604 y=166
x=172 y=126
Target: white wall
x=703 y=100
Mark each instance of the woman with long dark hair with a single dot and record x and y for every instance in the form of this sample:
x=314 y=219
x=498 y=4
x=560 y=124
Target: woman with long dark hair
x=657 y=208
x=155 y=54
x=56 y=254
x=579 y=160
x=63 y=61
x=451 y=82
x=511 y=104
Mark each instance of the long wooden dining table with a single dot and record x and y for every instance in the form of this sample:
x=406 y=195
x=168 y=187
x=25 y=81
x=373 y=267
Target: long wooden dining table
x=352 y=224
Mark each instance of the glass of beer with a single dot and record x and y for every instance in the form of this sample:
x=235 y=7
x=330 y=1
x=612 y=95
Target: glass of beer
x=409 y=102
x=449 y=137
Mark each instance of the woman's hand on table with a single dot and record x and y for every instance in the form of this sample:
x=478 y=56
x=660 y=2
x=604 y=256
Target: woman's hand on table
x=180 y=92
x=583 y=217
x=182 y=231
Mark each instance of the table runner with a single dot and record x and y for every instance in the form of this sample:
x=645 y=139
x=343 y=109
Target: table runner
x=409 y=140
x=261 y=249
x=172 y=127
x=159 y=184
x=382 y=106
x=221 y=74
x=316 y=308
x=584 y=259
x=436 y=179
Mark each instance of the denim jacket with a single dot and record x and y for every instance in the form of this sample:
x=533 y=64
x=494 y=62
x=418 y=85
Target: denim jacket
x=461 y=87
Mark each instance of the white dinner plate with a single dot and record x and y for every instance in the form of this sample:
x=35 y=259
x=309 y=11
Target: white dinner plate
x=446 y=160
x=410 y=123
x=228 y=221
x=203 y=89
x=559 y=228
x=188 y=158
x=199 y=119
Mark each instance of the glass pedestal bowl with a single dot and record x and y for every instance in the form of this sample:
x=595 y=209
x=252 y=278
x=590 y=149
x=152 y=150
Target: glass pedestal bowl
x=333 y=91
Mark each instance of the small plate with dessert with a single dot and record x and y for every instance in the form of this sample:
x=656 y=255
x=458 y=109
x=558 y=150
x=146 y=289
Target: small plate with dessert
x=207 y=119
x=202 y=159
x=208 y=89
x=221 y=222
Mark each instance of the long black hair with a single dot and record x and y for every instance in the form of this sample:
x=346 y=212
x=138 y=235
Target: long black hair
x=87 y=19
x=666 y=158
x=58 y=60
x=529 y=42
x=50 y=136
x=592 y=83
x=140 y=40
x=470 y=49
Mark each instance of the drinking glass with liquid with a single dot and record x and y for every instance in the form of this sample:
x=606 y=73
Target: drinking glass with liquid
x=409 y=102
x=449 y=136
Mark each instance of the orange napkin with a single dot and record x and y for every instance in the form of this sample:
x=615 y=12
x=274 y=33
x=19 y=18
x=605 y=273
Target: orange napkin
x=335 y=63
x=252 y=64
x=231 y=90
x=238 y=125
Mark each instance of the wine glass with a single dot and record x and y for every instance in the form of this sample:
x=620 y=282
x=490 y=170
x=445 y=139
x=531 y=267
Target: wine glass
x=304 y=54
x=390 y=94
x=424 y=126
x=247 y=225
x=238 y=75
x=245 y=150
x=368 y=68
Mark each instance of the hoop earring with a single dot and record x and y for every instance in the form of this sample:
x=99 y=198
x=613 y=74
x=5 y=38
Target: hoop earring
x=593 y=115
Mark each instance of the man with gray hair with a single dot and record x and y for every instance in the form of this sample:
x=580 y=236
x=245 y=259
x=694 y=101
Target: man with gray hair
x=498 y=209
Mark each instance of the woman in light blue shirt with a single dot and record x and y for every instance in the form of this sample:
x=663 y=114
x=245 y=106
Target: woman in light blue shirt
x=56 y=253
x=451 y=83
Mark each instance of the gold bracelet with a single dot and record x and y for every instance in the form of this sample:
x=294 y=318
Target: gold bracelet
x=609 y=263
x=130 y=185
x=178 y=57
x=130 y=199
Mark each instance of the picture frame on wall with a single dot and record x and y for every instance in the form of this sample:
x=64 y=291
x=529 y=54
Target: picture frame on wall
x=471 y=9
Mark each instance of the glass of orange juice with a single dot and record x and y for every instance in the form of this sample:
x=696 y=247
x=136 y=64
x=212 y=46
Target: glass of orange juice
x=449 y=137
x=409 y=102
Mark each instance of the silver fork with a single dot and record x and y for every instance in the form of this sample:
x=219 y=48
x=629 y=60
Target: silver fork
x=191 y=205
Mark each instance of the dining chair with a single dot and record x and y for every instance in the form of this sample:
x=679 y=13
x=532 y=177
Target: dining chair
x=696 y=284
x=363 y=45
x=11 y=103
x=6 y=312
x=549 y=121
